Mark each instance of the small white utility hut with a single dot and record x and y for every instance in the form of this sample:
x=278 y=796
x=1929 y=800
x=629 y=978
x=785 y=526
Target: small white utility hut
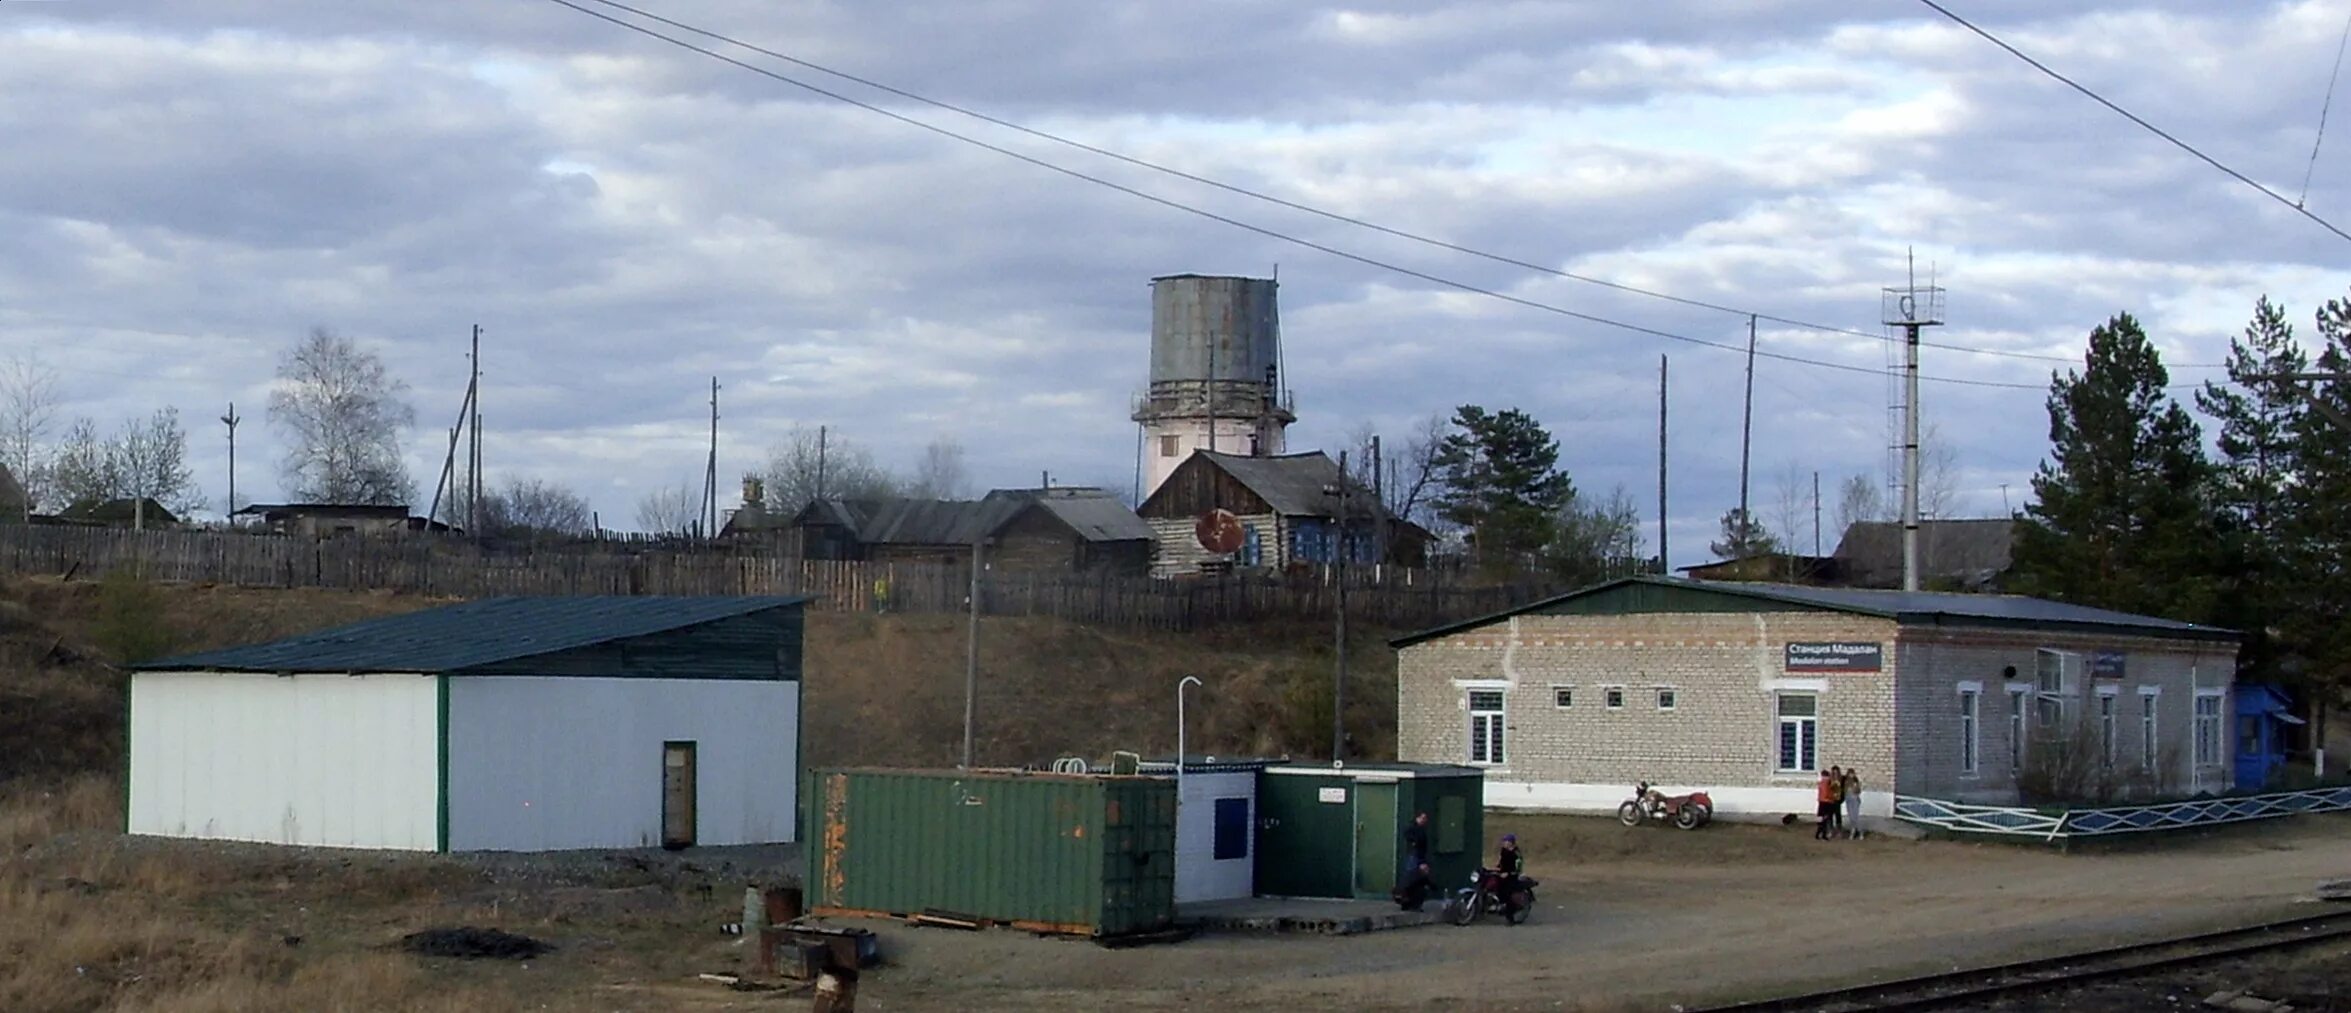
x=1216 y=829
x=508 y=724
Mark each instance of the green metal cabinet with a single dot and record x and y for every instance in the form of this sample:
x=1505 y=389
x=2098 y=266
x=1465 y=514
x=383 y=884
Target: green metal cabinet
x=1083 y=855
x=1326 y=832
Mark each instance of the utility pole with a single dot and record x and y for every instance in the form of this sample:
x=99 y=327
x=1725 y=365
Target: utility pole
x=1911 y=308
x=230 y=420
x=1816 y=515
x=448 y=480
x=1664 y=560
x=710 y=472
x=971 y=660
x=1339 y=678
x=1746 y=432
x=1379 y=499
x=820 y=438
x=473 y=460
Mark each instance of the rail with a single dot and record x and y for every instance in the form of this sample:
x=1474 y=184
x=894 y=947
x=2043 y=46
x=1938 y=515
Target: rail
x=2017 y=821
x=2041 y=974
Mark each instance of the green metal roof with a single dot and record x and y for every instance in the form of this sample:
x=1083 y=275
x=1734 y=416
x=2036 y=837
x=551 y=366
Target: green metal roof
x=488 y=633
x=1650 y=594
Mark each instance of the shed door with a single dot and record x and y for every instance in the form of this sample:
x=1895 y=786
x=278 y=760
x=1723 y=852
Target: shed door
x=677 y=794
x=1377 y=862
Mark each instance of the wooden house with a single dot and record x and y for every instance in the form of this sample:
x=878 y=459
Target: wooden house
x=1289 y=507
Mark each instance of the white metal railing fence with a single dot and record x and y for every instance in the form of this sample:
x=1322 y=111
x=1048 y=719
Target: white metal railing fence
x=2107 y=820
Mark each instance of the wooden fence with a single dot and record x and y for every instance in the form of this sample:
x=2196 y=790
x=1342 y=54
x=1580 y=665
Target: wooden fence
x=1389 y=598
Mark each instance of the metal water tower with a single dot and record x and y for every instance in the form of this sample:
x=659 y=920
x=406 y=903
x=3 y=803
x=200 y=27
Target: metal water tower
x=1216 y=373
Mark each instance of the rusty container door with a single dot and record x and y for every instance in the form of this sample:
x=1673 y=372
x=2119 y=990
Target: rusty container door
x=677 y=795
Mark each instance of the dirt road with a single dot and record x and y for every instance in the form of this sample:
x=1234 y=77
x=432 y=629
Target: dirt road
x=1644 y=919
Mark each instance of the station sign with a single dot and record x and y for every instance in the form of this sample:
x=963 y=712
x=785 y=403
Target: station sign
x=1835 y=656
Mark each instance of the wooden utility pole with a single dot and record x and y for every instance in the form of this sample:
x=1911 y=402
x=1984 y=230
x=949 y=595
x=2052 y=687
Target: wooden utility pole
x=1339 y=678
x=820 y=438
x=1664 y=559
x=1746 y=430
x=231 y=419
x=473 y=459
x=710 y=470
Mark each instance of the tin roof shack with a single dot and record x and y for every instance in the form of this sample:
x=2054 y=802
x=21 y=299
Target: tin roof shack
x=1062 y=529
x=1289 y=510
x=1748 y=690
x=319 y=520
x=505 y=724
x=1331 y=831
x=1074 y=854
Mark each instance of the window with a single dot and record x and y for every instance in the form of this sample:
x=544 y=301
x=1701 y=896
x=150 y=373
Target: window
x=2249 y=735
x=1485 y=726
x=1613 y=697
x=1799 y=733
x=2207 y=729
x=1968 y=699
x=2050 y=671
x=1168 y=446
x=1665 y=698
x=2106 y=729
x=1563 y=697
x=1232 y=829
x=2016 y=729
x=2147 y=730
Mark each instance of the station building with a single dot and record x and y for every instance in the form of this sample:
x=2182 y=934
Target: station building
x=1748 y=690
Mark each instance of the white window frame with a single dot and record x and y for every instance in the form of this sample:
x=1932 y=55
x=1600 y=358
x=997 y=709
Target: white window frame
x=2215 y=723
x=1807 y=734
x=2109 y=725
x=1668 y=697
x=1561 y=692
x=1495 y=722
x=2150 y=726
x=1971 y=709
x=1612 y=698
x=2051 y=697
x=2020 y=696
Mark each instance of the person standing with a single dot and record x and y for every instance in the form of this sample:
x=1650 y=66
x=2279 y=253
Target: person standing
x=1828 y=794
x=1414 y=886
x=1852 y=792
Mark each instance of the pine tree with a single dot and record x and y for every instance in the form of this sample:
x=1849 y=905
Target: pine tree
x=1743 y=536
x=2120 y=515
x=1503 y=484
x=2316 y=530
x=2260 y=421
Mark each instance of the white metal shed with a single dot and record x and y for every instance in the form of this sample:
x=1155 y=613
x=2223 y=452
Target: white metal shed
x=1216 y=828
x=508 y=724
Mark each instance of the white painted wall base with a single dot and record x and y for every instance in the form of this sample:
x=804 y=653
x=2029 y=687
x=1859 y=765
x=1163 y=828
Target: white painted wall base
x=1729 y=803
x=1199 y=876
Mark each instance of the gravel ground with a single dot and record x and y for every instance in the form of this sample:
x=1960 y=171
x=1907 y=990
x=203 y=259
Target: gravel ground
x=2317 y=980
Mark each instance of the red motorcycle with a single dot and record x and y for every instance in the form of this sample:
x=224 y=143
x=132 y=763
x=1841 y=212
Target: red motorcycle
x=1688 y=812
x=1484 y=896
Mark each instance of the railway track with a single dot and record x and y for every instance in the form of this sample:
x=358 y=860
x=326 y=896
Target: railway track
x=1936 y=991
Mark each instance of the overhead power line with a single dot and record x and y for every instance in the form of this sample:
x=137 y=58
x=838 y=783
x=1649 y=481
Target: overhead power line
x=1342 y=254
x=1326 y=213
x=2324 y=108
x=2134 y=118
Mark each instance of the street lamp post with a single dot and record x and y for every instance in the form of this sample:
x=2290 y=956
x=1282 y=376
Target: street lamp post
x=1189 y=680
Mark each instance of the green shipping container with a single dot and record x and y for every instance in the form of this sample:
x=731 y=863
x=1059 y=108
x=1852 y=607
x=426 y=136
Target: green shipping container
x=1326 y=832
x=1074 y=854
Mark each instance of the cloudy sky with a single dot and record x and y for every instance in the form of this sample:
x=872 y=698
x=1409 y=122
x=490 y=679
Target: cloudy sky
x=187 y=188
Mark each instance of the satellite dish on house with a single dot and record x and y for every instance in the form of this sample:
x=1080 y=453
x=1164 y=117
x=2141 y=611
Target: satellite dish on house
x=1219 y=531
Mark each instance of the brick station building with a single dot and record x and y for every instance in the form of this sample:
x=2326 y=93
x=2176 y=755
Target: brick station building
x=1748 y=690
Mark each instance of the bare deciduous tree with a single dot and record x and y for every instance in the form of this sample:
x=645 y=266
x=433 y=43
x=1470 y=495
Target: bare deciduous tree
x=535 y=509
x=151 y=460
x=940 y=472
x=1409 y=475
x=81 y=470
x=1938 y=475
x=1791 y=508
x=343 y=414
x=1860 y=498
x=29 y=401
x=797 y=472
x=670 y=509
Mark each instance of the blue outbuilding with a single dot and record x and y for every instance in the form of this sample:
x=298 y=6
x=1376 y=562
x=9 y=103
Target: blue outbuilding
x=2263 y=716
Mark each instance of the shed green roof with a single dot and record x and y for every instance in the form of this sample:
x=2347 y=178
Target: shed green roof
x=489 y=633
x=1650 y=594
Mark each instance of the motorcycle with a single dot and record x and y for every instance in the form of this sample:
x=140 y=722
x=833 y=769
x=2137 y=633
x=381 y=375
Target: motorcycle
x=1484 y=897
x=1688 y=812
